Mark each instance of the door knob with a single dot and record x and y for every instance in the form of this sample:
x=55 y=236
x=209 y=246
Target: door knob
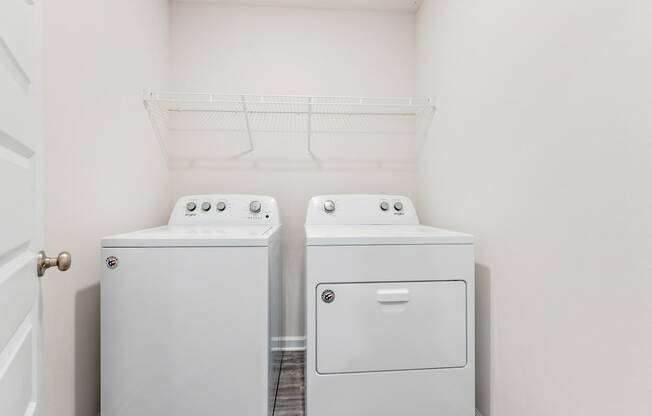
x=43 y=262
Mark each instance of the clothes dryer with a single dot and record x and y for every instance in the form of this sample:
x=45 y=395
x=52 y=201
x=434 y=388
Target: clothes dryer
x=389 y=311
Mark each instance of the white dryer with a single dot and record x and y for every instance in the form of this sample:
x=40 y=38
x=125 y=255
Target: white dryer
x=189 y=311
x=389 y=311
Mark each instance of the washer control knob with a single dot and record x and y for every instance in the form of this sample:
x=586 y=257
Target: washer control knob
x=329 y=206
x=384 y=205
x=398 y=206
x=221 y=206
x=191 y=206
x=255 y=207
x=206 y=206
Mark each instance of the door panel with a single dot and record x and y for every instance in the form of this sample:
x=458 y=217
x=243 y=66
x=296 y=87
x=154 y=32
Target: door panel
x=393 y=326
x=20 y=100
x=16 y=37
x=16 y=217
x=20 y=231
x=17 y=294
x=16 y=373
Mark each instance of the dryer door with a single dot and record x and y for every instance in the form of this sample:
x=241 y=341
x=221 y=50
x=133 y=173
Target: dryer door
x=363 y=327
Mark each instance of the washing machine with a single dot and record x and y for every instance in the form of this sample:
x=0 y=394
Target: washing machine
x=389 y=311
x=189 y=311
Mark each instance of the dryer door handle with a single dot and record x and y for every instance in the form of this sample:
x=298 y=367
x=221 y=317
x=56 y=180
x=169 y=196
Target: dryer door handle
x=393 y=295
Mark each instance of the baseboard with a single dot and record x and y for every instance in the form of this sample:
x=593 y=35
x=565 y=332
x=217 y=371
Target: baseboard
x=293 y=343
x=477 y=412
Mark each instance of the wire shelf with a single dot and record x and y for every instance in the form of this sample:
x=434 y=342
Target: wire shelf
x=196 y=127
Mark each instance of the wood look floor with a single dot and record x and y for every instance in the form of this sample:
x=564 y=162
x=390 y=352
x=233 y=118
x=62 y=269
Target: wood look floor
x=290 y=395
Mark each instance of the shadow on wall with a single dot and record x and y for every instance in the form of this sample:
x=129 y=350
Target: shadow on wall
x=483 y=338
x=87 y=350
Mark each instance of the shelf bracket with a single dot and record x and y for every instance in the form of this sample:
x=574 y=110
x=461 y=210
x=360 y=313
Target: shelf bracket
x=428 y=114
x=310 y=152
x=157 y=125
x=309 y=130
x=248 y=123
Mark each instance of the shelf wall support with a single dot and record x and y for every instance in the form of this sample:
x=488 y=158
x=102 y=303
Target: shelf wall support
x=309 y=130
x=248 y=123
x=426 y=118
x=159 y=117
x=312 y=154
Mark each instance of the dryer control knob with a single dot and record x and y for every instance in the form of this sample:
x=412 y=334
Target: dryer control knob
x=384 y=205
x=398 y=206
x=206 y=206
x=221 y=206
x=329 y=206
x=191 y=206
x=255 y=207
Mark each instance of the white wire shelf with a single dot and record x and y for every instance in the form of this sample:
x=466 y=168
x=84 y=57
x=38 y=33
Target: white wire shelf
x=215 y=129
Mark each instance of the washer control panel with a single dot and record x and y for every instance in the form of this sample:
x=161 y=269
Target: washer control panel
x=361 y=209
x=232 y=209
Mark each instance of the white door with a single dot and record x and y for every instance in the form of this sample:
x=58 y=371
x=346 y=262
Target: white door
x=21 y=234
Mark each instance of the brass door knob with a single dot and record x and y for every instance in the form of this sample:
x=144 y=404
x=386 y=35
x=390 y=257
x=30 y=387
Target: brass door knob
x=43 y=262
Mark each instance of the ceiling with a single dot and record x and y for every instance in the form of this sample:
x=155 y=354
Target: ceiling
x=393 y=5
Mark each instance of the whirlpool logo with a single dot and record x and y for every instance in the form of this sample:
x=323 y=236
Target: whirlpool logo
x=111 y=262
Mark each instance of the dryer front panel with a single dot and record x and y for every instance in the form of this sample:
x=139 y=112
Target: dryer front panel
x=390 y=326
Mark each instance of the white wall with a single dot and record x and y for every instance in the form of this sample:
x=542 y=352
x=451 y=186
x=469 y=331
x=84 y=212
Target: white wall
x=267 y=50
x=104 y=171
x=542 y=148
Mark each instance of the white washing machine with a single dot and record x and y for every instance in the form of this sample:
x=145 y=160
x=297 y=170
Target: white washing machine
x=189 y=311
x=390 y=311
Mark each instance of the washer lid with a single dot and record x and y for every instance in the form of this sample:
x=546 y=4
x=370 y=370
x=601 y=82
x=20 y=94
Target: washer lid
x=346 y=235
x=195 y=236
